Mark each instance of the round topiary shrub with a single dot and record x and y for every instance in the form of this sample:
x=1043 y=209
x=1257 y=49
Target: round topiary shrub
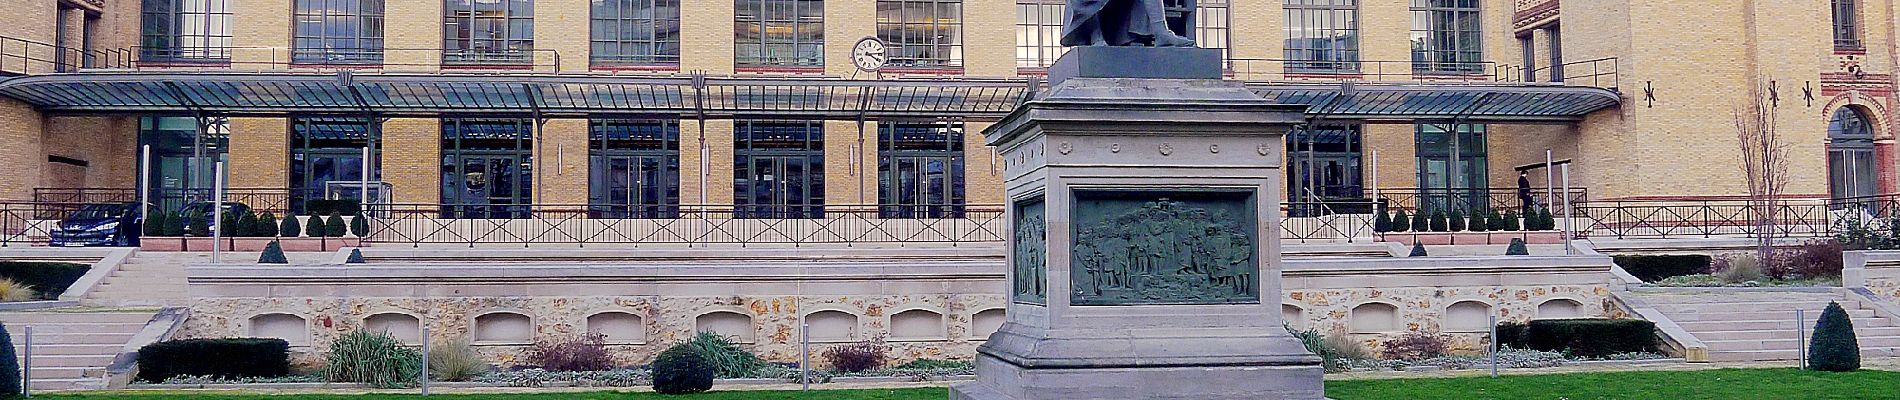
x=680 y=370
x=1834 y=347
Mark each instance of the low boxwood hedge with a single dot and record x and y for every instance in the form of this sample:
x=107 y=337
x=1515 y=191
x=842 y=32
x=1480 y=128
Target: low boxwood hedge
x=1583 y=337
x=228 y=358
x=1656 y=268
x=49 y=279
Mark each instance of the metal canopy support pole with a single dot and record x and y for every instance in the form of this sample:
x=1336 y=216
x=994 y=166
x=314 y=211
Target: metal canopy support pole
x=1550 y=191
x=217 y=210
x=145 y=184
x=699 y=112
x=199 y=126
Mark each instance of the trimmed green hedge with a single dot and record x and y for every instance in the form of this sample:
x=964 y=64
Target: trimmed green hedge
x=49 y=279
x=1586 y=337
x=223 y=358
x=1656 y=268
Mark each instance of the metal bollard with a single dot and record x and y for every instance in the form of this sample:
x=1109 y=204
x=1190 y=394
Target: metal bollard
x=26 y=363
x=804 y=356
x=425 y=360
x=1494 y=346
x=1801 y=336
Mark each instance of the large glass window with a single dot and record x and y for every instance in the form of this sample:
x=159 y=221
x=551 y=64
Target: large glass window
x=183 y=162
x=338 y=32
x=920 y=169
x=1846 y=25
x=778 y=169
x=1323 y=165
x=779 y=33
x=922 y=33
x=487 y=31
x=1039 y=32
x=1322 y=35
x=1210 y=26
x=325 y=150
x=185 y=31
x=634 y=168
x=1452 y=165
x=1850 y=155
x=636 y=32
x=487 y=168
x=1447 y=37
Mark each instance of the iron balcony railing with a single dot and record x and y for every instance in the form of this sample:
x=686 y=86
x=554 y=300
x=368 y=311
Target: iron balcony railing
x=1793 y=218
x=690 y=225
x=365 y=59
x=1465 y=201
x=261 y=200
x=27 y=57
x=1600 y=72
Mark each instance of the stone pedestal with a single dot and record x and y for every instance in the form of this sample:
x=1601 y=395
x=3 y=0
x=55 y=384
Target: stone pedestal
x=1144 y=253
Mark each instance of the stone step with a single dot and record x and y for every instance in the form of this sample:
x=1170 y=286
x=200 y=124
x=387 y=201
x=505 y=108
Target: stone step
x=83 y=338
x=59 y=328
x=74 y=317
x=1778 y=344
x=1788 y=324
x=68 y=383
x=72 y=360
x=71 y=349
x=1788 y=354
x=1789 y=306
x=67 y=372
x=1787 y=333
x=1754 y=316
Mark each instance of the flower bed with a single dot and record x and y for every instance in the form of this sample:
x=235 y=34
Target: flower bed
x=1507 y=358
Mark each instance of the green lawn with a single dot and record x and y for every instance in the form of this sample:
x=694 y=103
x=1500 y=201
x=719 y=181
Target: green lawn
x=1674 y=385
x=869 y=394
x=1721 y=384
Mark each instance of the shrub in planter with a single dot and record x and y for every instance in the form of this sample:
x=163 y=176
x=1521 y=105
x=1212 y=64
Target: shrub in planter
x=228 y=225
x=727 y=358
x=1478 y=223
x=9 y=366
x=1656 y=268
x=1590 y=337
x=273 y=254
x=375 y=358
x=246 y=225
x=174 y=224
x=1545 y=222
x=229 y=358
x=1494 y=222
x=155 y=225
x=1512 y=222
x=313 y=227
x=1834 y=348
x=455 y=361
x=1457 y=221
x=289 y=228
x=1382 y=223
x=1439 y=223
x=49 y=279
x=1517 y=248
x=682 y=369
x=1421 y=222
x=856 y=357
x=200 y=227
x=587 y=352
x=329 y=206
x=1418 y=249
x=359 y=225
x=266 y=225
x=333 y=226
x=1414 y=346
x=1401 y=222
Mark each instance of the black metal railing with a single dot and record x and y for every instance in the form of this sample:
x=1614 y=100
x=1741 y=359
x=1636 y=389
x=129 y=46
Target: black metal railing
x=23 y=223
x=272 y=200
x=1600 y=72
x=1466 y=201
x=582 y=224
x=27 y=57
x=1793 y=218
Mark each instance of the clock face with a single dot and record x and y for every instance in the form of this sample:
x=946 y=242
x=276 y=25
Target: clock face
x=868 y=55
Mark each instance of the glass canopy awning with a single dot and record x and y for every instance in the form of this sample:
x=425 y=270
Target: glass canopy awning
x=395 y=94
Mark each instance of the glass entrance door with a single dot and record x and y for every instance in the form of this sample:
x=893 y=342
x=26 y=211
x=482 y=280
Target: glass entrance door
x=780 y=186
x=1452 y=168
x=636 y=187
x=487 y=186
x=924 y=187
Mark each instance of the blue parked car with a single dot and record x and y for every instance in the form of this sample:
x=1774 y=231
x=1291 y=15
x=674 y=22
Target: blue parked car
x=99 y=225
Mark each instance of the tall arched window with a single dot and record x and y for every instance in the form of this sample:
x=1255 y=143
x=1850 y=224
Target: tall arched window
x=1850 y=154
x=1846 y=30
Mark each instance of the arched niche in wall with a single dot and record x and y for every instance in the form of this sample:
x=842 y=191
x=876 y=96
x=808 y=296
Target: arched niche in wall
x=288 y=327
x=1467 y=316
x=1559 y=308
x=986 y=322
x=1293 y=316
x=619 y=326
x=832 y=326
x=733 y=325
x=403 y=327
x=503 y=327
x=1374 y=318
x=917 y=324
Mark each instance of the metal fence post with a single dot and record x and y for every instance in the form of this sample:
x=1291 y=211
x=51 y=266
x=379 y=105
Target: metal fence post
x=26 y=363
x=1801 y=336
x=804 y=355
x=1494 y=345
x=217 y=211
x=425 y=359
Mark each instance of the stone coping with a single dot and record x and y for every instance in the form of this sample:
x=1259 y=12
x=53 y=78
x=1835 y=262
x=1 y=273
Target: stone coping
x=1447 y=265
x=464 y=254
x=719 y=384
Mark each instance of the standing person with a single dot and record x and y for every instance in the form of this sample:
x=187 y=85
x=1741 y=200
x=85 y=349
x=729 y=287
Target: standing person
x=1524 y=199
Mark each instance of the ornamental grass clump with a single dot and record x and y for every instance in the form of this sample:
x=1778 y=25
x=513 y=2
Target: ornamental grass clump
x=587 y=352
x=1834 y=347
x=727 y=358
x=11 y=291
x=455 y=361
x=374 y=358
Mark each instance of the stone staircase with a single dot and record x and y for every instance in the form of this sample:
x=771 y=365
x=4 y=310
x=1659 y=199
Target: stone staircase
x=72 y=347
x=1759 y=325
x=147 y=279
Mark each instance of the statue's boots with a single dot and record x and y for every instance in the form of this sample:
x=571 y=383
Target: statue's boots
x=1169 y=39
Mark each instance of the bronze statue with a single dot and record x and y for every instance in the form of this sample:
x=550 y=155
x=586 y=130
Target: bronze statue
x=1125 y=23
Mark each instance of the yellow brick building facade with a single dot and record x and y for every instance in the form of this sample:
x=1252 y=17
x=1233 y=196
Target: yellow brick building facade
x=1681 y=68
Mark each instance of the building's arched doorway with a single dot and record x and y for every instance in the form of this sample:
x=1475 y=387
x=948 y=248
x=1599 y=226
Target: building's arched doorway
x=1850 y=154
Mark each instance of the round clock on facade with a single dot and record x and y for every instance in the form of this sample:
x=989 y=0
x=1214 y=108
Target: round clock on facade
x=868 y=54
